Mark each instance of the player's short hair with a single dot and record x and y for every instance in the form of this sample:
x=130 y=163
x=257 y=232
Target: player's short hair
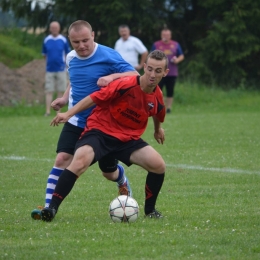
x=165 y=29
x=123 y=26
x=158 y=55
x=78 y=25
x=54 y=22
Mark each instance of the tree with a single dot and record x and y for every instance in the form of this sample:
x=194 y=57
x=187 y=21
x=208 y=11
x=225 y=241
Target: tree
x=36 y=17
x=227 y=54
x=220 y=38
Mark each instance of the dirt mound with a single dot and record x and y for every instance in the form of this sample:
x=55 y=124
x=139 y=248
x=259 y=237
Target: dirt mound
x=23 y=85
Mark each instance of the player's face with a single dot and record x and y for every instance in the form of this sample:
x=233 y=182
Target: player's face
x=82 y=41
x=124 y=33
x=154 y=71
x=166 y=36
x=54 y=28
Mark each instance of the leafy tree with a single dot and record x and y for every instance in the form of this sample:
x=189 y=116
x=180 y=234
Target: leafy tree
x=144 y=17
x=37 y=17
x=227 y=54
x=220 y=38
x=105 y=18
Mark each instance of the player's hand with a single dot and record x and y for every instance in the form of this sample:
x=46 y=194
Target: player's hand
x=59 y=118
x=159 y=136
x=174 y=60
x=58 y=103
x=139 y=67
x=104 y=81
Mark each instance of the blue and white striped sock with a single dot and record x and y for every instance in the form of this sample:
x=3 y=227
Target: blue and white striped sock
x=51 y=184
x=121 y=176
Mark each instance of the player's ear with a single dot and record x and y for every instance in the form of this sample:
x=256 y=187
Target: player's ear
x=165 y=72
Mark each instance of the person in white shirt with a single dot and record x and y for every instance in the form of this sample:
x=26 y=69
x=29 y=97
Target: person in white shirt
x=130 y=48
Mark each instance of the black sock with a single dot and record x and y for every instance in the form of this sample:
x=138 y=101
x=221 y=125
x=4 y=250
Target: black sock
x=64 y=185
x=152 y=188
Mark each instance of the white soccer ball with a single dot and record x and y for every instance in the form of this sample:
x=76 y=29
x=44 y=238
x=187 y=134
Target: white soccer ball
x=124 y=209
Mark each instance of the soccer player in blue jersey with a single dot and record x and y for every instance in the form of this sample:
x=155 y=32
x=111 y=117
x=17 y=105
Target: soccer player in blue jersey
x=90 y=66
x=55 y=47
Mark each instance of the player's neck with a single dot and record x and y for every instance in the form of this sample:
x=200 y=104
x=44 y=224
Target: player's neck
x=145 y=86
x=166 y=42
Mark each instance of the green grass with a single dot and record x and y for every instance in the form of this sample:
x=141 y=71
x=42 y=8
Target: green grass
x=18 y=48
x=210 y=197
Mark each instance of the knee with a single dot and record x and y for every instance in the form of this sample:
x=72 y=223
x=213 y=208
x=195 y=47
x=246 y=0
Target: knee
x=158 y=166
x=63 y=160
x=161 y=167
x=78 y=166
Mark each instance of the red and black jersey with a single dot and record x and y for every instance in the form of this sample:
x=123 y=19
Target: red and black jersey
x=123 y=109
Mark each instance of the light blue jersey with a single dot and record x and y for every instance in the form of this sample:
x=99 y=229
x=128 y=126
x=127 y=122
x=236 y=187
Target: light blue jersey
x=55 y=49
x=84 y=73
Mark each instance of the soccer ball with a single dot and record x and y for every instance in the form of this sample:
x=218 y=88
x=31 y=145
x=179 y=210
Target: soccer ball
x=123 y=209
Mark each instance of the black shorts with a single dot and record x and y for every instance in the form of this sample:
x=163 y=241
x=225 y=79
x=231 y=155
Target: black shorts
x=68 y=138
x=106 y=146
x=169 y=83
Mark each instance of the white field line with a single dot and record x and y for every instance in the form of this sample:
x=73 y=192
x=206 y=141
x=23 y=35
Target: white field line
x=22 y=158
x=182 y=166
x=212 y=169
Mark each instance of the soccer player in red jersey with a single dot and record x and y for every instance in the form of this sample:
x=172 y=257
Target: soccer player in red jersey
x=115 y=127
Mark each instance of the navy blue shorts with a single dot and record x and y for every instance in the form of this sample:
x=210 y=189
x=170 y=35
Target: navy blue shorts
x=169 y=83
x=106 y=146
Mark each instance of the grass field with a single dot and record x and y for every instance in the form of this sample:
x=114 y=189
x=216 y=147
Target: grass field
x=210 y=196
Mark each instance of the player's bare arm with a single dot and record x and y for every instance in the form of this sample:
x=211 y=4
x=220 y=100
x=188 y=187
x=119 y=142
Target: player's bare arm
x=84 y=104
x=158 y=131
x=177 y=60
x=142 y=61
x=104 y=81
x=58 y=103
x=159 y=136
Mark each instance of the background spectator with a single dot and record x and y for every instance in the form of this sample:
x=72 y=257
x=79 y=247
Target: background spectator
x=130 y=48
x=175 y=55
x=55 y=48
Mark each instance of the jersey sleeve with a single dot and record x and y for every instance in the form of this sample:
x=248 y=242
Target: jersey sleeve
x=153 y=47
x=179 y=50
x=140 y=46
x=161 y=112
x=119 y=65
x=104 y=96
x=43 y=49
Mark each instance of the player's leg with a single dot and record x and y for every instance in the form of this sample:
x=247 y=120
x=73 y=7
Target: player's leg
x=149 y=159
x=88 y=150
x=61 y=83
x=83 y=157
x=49 y=88
x=48 y=100
x=140 y=153
x=65 y=151
x=115 y=172
x=170 y=84
x=162 y=83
